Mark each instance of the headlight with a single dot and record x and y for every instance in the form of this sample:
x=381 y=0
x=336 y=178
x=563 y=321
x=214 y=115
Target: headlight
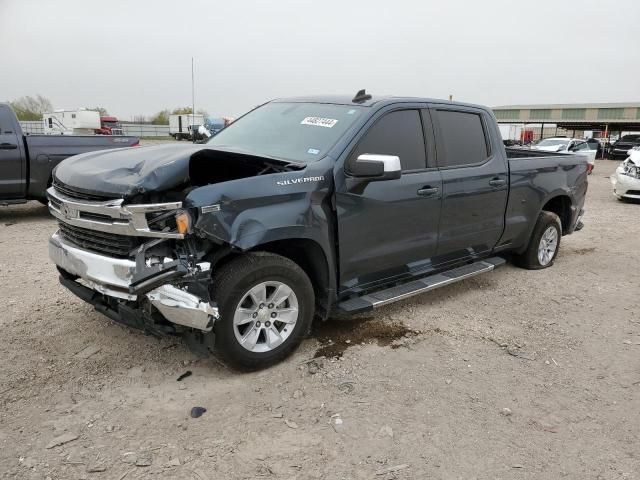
x=631 y=169
x=183 y=222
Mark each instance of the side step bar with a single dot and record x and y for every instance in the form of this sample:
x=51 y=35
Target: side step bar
x=400 y=292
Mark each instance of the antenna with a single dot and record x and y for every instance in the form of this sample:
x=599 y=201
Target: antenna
x=361 y=97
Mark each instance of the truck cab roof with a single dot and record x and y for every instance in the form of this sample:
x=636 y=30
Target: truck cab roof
x=375 y=100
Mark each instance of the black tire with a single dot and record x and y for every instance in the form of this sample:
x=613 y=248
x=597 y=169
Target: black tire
x=529 y=259
x=232 y=282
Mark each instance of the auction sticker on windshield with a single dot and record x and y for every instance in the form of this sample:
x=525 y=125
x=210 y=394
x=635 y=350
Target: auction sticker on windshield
x=319 y=122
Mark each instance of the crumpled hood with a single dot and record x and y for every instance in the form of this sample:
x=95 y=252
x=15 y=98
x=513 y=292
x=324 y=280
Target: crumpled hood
x=128 y=171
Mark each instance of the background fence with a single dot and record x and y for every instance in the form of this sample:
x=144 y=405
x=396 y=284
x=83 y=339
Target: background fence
x=134 y=129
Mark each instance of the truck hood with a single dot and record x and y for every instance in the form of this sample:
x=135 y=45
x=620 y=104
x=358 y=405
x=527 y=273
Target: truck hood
x=128 y=171
x=131 y=172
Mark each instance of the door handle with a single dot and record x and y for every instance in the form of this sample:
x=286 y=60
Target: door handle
x=428 y=191
x=497 y=182
x=8 y=146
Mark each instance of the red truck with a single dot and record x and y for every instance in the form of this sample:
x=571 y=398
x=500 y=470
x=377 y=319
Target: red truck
x=109 y=126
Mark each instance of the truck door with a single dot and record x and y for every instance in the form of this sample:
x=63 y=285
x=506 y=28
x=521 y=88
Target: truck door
x=12 y=168
x=389 y=228
x=474 y=183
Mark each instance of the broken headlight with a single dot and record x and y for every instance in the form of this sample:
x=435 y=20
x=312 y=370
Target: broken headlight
x=631 y=169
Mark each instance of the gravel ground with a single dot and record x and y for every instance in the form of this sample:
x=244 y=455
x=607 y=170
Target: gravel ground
x=515 y=375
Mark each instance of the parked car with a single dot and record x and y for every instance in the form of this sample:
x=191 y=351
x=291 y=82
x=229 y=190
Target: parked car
x=594 y=144
x=315 y=205
x=621 y=147
x=626 y=179
x=26 y=161
x=568 y=145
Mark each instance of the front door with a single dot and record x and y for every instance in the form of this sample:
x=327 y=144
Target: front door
x=12 y=168
x=475 y=183
x=389 y=228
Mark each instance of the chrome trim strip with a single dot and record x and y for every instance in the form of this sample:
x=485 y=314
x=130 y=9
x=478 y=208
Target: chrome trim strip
x=120 y=219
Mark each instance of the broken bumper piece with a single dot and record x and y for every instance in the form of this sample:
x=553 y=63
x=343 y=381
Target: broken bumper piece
x=109 y=283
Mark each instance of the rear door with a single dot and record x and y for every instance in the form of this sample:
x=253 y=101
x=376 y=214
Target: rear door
x=12 y=158
x=474 y=183
x=390 y=228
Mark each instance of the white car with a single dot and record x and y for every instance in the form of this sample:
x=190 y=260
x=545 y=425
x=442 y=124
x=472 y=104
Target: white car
x=568 y=145
x=626 y=179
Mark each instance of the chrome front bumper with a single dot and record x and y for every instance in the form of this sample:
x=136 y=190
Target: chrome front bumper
x=112 y=277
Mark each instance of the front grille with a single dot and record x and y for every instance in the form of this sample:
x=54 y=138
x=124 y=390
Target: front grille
x=108 y=244
x=79 y=194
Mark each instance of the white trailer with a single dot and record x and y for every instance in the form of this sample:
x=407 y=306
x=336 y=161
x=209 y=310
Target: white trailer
x=71 y=122
x=510 y=131
x=180 y=125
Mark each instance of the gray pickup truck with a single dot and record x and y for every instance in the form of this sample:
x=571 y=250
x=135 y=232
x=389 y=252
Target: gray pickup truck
x=302 y=208
x=26 y=161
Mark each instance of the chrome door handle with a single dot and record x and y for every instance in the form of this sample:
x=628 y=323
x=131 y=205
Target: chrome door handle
x=497 y=182
x=428 y=191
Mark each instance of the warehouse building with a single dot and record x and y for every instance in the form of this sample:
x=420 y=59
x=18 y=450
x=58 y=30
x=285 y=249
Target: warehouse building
x=600 y=120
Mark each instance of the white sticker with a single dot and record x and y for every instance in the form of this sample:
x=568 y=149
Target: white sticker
x=313 y=151
x=319 y=122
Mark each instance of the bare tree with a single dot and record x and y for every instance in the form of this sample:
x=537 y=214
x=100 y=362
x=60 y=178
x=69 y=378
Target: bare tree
x=31 y=108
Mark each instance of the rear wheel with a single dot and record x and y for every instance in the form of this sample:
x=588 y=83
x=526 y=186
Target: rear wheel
x=544 y=243
x=266 y=305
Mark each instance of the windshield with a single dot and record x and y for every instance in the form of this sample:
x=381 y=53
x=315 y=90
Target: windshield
x=299 y=132
x=553 y=142
x=630 y=138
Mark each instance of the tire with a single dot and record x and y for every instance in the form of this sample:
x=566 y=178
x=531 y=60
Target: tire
x=232 y=285
x=532 y=258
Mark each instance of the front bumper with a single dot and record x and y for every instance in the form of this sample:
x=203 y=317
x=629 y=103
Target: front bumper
x=109 y=284
x=625 y=186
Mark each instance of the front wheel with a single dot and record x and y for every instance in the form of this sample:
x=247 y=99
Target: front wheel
x=266 y=305
x=544 y=243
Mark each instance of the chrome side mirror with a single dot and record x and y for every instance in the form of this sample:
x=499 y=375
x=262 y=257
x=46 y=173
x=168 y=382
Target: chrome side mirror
x=376 y=167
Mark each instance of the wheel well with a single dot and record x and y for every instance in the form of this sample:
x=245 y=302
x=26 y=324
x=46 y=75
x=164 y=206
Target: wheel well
x=561 y=206
x=311 y=258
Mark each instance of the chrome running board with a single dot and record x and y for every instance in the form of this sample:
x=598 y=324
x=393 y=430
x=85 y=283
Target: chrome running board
x=377 y=299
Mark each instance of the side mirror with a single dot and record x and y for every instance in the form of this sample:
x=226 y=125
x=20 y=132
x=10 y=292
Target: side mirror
x=375 y=167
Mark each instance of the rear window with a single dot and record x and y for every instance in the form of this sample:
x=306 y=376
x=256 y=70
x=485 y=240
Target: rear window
x=630 y=138
x=462 y=139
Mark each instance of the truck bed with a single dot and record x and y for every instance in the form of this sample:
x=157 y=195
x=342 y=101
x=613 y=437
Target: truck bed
x=46 y=151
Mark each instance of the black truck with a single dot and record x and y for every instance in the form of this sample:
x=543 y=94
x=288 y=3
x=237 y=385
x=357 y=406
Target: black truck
x=302 y=208
x=26 y=161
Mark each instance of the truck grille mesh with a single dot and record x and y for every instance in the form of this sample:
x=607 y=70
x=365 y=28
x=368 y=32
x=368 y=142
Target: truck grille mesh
x=108 y=244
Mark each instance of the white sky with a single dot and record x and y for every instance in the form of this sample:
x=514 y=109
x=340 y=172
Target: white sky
x=134 y=57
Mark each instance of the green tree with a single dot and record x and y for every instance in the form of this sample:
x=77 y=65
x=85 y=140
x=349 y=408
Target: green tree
x=31 y=108
x=187 y=111
x=161 y=118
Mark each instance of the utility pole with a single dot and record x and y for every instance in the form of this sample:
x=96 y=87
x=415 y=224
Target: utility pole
x=193 y=100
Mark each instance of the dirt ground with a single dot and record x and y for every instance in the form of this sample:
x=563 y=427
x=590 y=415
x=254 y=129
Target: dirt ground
x=512 y=375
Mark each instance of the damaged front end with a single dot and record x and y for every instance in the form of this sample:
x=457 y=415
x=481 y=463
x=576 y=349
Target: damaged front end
x=148 y=275
x=139 y=241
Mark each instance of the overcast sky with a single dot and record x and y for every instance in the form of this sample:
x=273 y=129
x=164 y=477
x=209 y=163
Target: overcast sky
x=134 y=57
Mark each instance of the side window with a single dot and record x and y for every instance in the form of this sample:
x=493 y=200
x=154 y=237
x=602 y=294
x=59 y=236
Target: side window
x=5 y=123
x=462 y=139
x=582 y=146
x=396 y=133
